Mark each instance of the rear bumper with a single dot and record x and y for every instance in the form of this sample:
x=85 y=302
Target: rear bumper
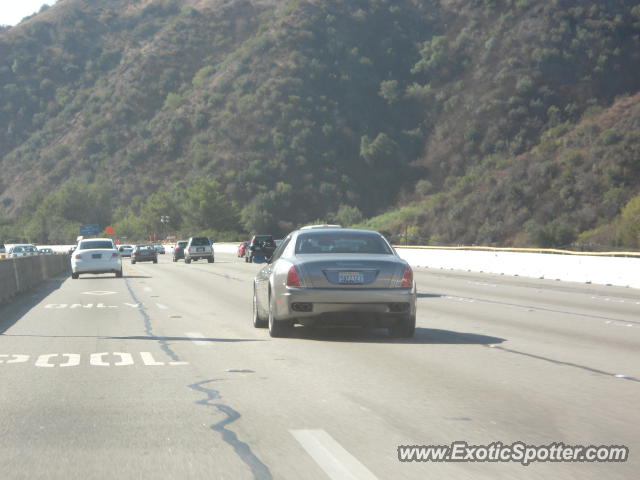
x=336 y=307
x=198 y=255
x=96 y=267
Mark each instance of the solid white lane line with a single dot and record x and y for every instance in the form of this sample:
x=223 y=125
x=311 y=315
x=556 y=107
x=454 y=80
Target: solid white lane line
x=336 y=462
x=194 y=338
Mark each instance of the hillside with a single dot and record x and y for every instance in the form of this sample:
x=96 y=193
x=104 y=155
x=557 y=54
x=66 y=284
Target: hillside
x=457 y=121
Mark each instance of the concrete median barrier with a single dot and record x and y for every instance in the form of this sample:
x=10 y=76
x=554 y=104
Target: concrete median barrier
x=19 y=275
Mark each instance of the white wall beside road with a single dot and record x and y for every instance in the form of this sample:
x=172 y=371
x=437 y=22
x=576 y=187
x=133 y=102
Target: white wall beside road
x=619 y=271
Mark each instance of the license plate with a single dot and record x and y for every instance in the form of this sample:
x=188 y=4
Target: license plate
x=200 y=249
x=96 y=255
x=350 y=278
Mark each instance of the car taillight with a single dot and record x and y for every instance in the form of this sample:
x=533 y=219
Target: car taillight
x=407 y=278
x=136 y=254
x=115 y=254
x=292 y=278
x=78 y=256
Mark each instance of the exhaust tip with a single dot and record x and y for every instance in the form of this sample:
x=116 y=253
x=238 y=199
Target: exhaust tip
x=302 y=307
x=398 y=307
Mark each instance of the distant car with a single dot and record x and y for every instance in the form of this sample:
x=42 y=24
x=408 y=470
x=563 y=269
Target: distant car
x=23 y=250
x=260 y=245
x=125 y=250
x=242 y=249
x=178 y=250
x=335 y=277
x=198 y=248
x=46 y=251
x=3 y=249
x=159 y=248
x=144 y=253
x=96 y=255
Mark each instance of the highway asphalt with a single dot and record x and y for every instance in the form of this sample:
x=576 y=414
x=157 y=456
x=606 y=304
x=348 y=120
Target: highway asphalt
x=161 y=374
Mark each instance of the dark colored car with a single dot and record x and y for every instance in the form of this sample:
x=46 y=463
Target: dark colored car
x=144 y=253
x=242 y=249
x=260 y=245
x=178 y=250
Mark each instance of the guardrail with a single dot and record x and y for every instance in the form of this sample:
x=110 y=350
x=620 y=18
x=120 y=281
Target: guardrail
x=18 y=275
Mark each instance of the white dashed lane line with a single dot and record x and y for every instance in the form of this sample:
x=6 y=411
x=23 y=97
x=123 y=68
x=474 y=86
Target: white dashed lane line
x=336 y=462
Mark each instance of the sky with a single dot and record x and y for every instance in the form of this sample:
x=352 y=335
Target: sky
x=12 y=11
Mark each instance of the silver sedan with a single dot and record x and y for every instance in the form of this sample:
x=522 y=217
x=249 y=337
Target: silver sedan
x=335 y=277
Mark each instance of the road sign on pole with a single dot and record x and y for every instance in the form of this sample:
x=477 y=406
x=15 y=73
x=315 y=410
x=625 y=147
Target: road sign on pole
x=89 y=230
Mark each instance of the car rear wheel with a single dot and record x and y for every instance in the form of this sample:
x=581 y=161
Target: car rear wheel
x=404 y=328
x=119 y=274
x=155 y=260
x=133 y=262
x=75 y=276
x=210 y=260
x=187 y=260
x=277 y=328
x=175 y=259
x=258 y=321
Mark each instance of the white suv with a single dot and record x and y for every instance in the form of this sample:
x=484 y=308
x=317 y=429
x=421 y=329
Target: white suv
x=197 y=248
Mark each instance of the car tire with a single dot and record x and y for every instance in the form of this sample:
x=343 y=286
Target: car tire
x=277 y=328
x=133 y=262
x=119 y=274
x=187 y=260
x=210 y=260
x=246 y=259
x=75 y=276
x=404 y=328
x=155 y=261
x=175 y=259
x=258 y=321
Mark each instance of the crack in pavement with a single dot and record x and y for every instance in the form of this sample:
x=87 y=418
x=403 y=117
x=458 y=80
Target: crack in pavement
x=260 y=470
x=148 y=327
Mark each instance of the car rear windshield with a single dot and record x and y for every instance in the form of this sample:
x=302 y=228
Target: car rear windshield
x=182 y=244
x=264 y=238
x=199 y=241
x=96 y=244
x=342 y=242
